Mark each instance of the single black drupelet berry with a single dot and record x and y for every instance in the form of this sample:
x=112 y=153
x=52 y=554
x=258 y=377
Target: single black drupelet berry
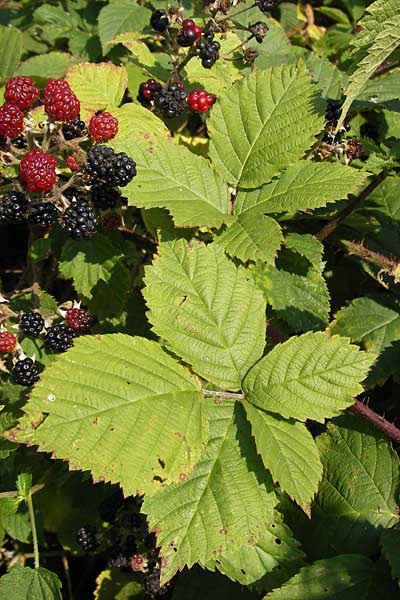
x=59 y=337
x=43 y=215
x=104 y=196
x=20 y=142
x=259 y=30
x=208 y=52
x=152 y=586
x=87 y=538
x=114 y=169
x=31 y=324
x=171 y=100
x=159 y=20
x=333 y=110
x=13 y=206
x=25 y=372
x=73 y=129
x=79 y=220
x=266 y=5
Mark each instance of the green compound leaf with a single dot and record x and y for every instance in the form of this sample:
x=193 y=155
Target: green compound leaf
x=345 y=577
x=120 y=16
x=120 y=407
x=375 y=322
x=379 y=37
x=207 y=310
x=303 y=186
x=11 y=45
x=306 y=245
x=301 y=300
x=252 y=237
x=98 y=86
x=22 y=583
x=269 y=562
x=89 y=262
x=310 y=376
x=224 y=503
x=288 y=452
x=170 y=176
x=264 y=123
x=358 y=492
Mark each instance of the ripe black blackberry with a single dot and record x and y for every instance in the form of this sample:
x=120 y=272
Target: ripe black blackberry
x=104 y=196
x=73 y=129
x=25 y=372
x=159 y=20
x=171 y=100
x=208 y=52
x=266 y=5
x=13 y=206
x=43 y=215
x=333 y=110
x=114 y=169
x=152 y=586
x=79 y=221
x=20 y=142
x=59 y=337
x=31 y=324
x=87 y=538
x=72 y=193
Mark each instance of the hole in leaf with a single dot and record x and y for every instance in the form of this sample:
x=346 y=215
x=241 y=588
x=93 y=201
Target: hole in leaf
x=161 y=463
x=278 y=541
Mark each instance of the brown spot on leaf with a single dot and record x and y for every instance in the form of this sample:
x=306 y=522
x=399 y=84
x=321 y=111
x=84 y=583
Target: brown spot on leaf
x=94 y=421
x=223 y=531
x=161 y=463
x=182 y=476
x=100 y=479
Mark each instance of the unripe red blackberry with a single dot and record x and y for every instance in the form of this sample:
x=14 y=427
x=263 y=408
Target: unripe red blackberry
x=147 y=89
x=79 y=319
x=11 y=120
x=72 y=163
x=59 y=101
x=103 y=127
x=200 y=101
x=37 y=171
x=21 y=92
x=8 y=341
x=189 y=33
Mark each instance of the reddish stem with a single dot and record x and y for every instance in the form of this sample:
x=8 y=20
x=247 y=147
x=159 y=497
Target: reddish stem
x=380 y=423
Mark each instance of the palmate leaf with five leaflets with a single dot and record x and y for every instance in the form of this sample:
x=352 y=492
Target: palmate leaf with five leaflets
x=207 y=310
x=120 y=407
x=225 y=502
x=310 y=376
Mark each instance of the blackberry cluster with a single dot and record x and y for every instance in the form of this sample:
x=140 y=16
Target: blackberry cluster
x=266 y=5
x=159 y=20
x=43 y=215
x=59 y=337
x=114 y=169
x=333 y=110
x=104 y=196
x=147 y=89
x=73 y=129
x=208 y=50
x=25 y=372
x=31 y=324
x=152 y=585
x=86 y=537
x=171 y=100
x=13 y=207
x=79 y=220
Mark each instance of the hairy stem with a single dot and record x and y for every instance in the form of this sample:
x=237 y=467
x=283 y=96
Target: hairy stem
x=380 y=422
x=354 y=203
x=387 y=265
